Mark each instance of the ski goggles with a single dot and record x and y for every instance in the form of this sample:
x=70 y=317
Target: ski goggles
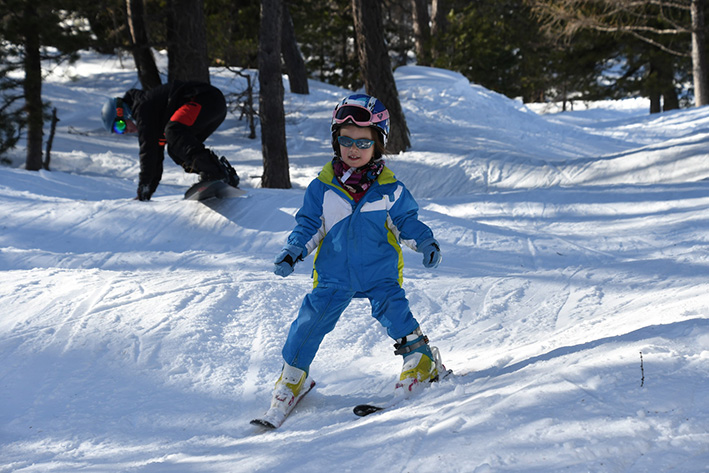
x=119 y=126
x=119 y=123
x=358 y=115
x=361 y=143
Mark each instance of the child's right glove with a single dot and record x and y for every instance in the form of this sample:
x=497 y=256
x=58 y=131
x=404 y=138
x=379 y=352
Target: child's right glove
x=286 y=259
x=431 y=253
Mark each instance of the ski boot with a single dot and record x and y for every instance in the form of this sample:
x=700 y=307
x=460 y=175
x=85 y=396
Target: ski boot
x=288 y=388
x=422 y=363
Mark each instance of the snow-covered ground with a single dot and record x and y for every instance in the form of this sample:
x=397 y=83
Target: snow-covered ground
x=572 y=302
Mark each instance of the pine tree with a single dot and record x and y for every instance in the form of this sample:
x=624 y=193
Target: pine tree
x=671 y=31
x=271 y=113
x=27 y=28
x=187 y=41
x=11 y=116
x=140 y=47
x=376 y=69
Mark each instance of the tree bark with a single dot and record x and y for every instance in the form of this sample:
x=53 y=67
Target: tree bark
x=187 y=41
x=142 y=54
x=271 y=114
x=670 y=99
x=422 y=31
x=699 y=59
x=292 y=57
x=33 y=87
x=50 y=140
x=439 y=25
x=659 y=85
x=376 y=70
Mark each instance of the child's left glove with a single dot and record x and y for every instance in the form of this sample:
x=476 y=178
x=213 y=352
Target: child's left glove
x=284 y=264
x=431 y=253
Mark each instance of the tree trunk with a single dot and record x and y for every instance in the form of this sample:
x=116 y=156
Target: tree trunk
x=142 y=55
x=422 y=32
x=699 y=59
x=439 y=17
x=376 y=69
x=670 y=99
x=271 y=114
x=186 y=41
x=655 y=102
x=50 y=140
x=295 y=65
x=439 y=25
x=660 y=83
x=33 y=88
x=651 y=85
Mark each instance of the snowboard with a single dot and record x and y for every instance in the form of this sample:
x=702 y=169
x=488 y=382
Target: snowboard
x=205 y=190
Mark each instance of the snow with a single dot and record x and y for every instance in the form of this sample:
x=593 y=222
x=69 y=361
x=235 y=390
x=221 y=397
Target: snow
x=572 y=302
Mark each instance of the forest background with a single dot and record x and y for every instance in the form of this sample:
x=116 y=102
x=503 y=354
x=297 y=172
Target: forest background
x=535 y=50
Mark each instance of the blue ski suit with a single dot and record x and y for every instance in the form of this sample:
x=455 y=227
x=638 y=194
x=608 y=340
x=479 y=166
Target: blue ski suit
x=357 y=254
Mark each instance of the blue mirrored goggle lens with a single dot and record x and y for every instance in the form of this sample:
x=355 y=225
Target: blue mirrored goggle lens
x=347 y=142
x=119 y=126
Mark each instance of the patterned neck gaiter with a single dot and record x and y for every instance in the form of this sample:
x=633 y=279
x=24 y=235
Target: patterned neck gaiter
x=357 y=180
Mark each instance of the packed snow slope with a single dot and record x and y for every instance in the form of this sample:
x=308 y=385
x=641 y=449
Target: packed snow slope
x=572 y=302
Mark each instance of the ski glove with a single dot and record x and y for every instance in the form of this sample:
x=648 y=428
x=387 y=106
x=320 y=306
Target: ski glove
x=431 y=253
x=286 y=259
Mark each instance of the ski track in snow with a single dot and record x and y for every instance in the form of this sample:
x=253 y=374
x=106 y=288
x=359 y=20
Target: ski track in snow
x=143 y=337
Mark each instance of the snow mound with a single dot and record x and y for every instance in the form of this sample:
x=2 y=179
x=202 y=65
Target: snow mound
x=571 y=302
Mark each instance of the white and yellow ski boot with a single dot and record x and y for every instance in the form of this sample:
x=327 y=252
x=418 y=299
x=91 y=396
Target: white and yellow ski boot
x=290 y=388
x=422 y=363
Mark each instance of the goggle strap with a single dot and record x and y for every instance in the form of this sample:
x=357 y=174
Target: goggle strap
x=119 y=107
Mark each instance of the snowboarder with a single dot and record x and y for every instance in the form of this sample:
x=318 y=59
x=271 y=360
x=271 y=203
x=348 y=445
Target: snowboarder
x=354 y=215
x=179 y=114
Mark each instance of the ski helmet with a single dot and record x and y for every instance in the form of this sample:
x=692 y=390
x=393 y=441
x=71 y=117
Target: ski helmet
x=361 y=110
x=113 y=111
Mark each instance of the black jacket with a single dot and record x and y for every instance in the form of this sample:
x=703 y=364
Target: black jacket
x=151 y=111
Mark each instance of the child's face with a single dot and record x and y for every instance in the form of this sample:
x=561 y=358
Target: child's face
x=353 y=156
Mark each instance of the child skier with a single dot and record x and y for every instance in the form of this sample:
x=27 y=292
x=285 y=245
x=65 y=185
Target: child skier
x=354 y=215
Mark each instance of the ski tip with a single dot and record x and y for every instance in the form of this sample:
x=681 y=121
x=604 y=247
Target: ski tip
x=445 y=374
x=366 y=409
x=263 y=423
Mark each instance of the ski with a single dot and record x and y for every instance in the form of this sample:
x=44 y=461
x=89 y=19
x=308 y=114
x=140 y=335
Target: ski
x=274 y=417
x=363 y=410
